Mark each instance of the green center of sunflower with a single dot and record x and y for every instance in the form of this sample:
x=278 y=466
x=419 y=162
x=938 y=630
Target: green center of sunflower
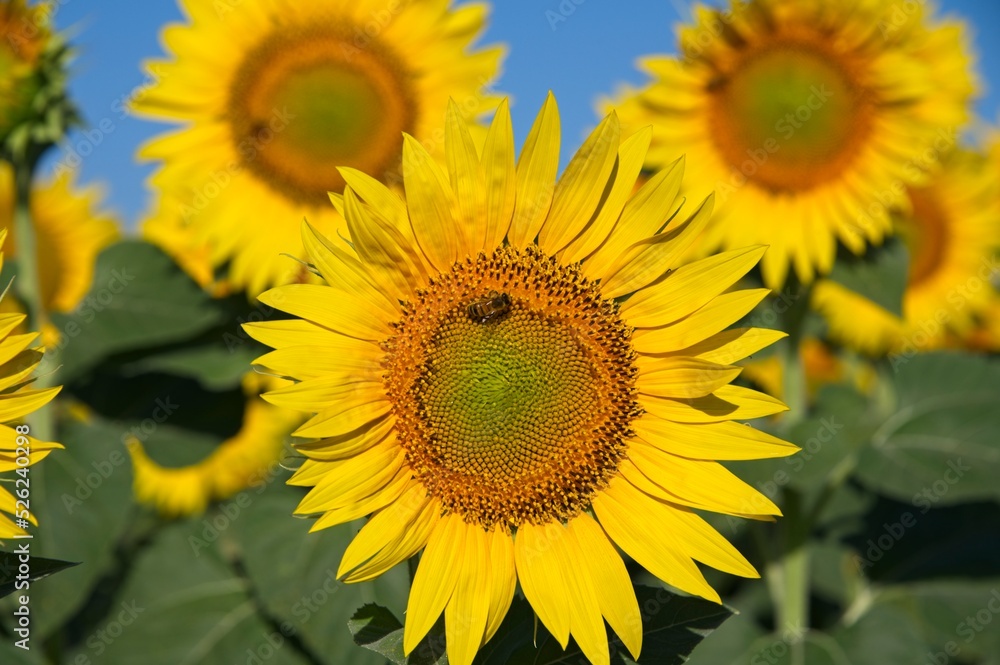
x=925 y=233
x=789 y=116
x=307 y=101
x=512 y=411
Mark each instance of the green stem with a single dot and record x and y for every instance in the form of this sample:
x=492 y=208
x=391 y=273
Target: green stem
x=28 y=283
x=793 y=606
x=794 y=383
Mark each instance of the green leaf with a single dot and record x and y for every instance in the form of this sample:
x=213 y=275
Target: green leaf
x=215 y=365
x=950 y=614
x=139 y=299
x=81 y=497
x=940 y=444
x=294 y=572
x=376 y=629
x=38 y=568
x=180 y=609
x=879 y=275
x=882 y=635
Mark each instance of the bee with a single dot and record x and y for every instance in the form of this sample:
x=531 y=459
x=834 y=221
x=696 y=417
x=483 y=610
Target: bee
x=490 y=308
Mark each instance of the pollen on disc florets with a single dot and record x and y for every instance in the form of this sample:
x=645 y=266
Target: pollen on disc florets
x=520 y=416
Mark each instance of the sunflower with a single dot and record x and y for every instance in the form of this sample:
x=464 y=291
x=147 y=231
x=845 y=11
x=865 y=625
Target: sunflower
x=245 y=460
x=479 y=386
x=24 y=35
x=275 y=93
x=18 y=360
x=951 y=228
x=71 y=229
x=807 y=118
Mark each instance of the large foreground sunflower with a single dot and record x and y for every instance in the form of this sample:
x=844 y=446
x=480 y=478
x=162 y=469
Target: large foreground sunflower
x=806 y=118
x=247 y=459
x=478 y=386
x=276 y=93
x=18 y=361
x=952 y=231
x=71 y=229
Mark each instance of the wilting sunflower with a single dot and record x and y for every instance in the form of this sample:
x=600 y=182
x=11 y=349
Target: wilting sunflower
x=71 y=229
x=275 y=94
x=479 y=386
x=806 y=118
x=248 y=459
x=952 y=231
x=18 y=361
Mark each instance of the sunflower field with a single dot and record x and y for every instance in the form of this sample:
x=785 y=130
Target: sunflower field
x=342 y=332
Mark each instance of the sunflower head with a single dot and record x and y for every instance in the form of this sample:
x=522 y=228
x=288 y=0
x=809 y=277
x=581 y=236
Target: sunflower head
x=808 y=119
x=288 y=93
x=509 y=373
x=951 y=228
x=19 y=358
x=33 y=104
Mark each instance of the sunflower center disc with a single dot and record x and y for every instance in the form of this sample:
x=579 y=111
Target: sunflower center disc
x=925 y=233
x=308 y=101
x=521 y=416
x=789 y=117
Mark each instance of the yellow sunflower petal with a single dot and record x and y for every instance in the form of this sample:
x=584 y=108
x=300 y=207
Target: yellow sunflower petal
x=536 y=175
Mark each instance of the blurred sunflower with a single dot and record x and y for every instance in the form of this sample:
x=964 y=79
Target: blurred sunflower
x=952 y=231
x=485 y=395
x=71 y=229
x=806 y=118
x=23 y=37
x=275 y=93
x=18 y=360
x=242 y=461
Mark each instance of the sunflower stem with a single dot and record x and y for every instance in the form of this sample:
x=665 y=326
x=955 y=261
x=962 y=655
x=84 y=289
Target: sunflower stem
x=28 y=281
x=794 y=381
x=793 y=606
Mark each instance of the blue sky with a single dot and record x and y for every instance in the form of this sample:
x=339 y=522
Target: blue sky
x=581 y=49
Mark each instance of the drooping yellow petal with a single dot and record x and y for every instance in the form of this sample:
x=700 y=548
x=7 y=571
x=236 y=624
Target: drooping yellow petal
x=14 y=406
x=628 y=527
x=604 y=566
x=436 y=578
x=386 y=526
x=466 y=614
x=541 y=576
x=503 y=578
